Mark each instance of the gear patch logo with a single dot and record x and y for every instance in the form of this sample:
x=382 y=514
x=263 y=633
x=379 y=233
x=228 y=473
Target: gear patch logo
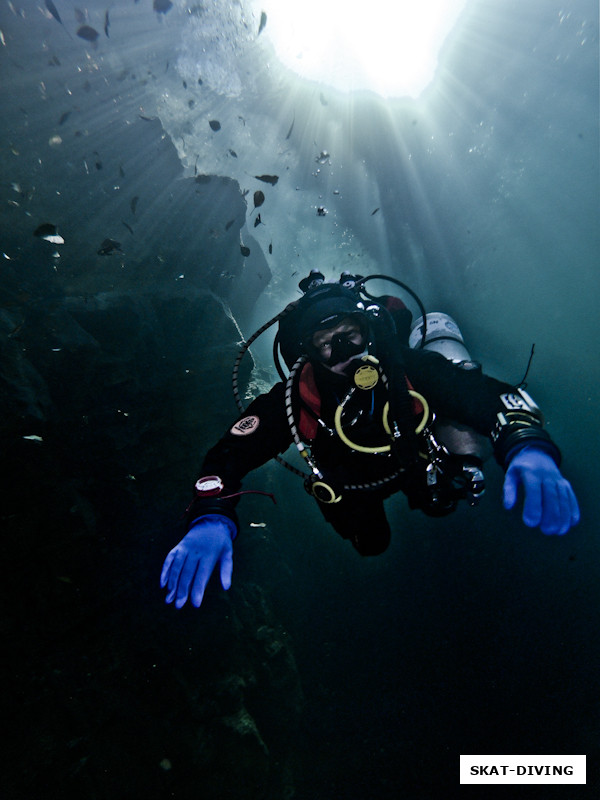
x=245 y=426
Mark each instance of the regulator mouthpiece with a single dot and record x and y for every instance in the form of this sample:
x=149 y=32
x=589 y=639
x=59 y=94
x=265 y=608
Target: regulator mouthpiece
x=343 y=349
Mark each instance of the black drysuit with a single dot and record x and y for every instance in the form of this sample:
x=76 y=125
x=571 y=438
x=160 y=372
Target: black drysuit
x=466 y=396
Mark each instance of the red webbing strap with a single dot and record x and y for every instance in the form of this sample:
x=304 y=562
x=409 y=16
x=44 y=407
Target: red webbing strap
x=309 y=394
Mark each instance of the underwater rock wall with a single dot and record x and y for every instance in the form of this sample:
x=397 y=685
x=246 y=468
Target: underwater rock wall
x=125 y=220
x=119 y=301
x=106 y=399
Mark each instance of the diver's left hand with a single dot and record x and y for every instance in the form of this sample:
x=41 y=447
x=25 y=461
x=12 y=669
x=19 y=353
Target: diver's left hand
x=549 y=499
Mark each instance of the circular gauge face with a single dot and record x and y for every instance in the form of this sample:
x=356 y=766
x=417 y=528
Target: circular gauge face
x=209 y=485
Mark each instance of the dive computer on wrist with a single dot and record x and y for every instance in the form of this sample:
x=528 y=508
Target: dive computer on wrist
x=209 y=486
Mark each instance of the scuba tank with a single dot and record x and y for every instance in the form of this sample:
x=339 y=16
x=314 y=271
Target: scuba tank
x=439 y=333
x=442 y=335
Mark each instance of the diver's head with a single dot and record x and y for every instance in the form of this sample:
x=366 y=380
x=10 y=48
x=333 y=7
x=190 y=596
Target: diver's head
x=322 y=308
x=338 y=345
x=333 y=326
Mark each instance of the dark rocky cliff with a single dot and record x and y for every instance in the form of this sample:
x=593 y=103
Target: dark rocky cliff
x=114 y=377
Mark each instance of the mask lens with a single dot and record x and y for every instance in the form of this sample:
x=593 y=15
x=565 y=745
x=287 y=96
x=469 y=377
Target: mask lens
x=343 y=348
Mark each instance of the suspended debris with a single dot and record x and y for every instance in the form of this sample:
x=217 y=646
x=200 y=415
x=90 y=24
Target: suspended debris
x=49 y=233
x=162 y=6
x=88 y=33
x=259 y=199
x=289 y=133
x=257 y=221
x=272 y=179
x=106 y=25
x=53 y=10
x=263 y=22
x=374 y=212
x=133 y=204
x=215 y=124
x=108 y=246
x=245 y=251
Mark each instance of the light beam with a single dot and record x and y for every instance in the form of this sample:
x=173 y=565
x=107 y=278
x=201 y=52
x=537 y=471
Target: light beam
x=389 y=47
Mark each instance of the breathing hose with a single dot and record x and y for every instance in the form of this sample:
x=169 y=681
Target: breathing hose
x=382 y=448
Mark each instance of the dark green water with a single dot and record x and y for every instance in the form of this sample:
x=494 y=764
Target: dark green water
x=320 y=675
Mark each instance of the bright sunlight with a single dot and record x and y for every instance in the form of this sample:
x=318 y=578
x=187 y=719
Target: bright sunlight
x=389 y=47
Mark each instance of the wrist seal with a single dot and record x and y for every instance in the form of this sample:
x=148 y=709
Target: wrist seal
x=209 y=499
x=518 y=424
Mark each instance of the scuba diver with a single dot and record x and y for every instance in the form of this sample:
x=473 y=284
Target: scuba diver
x=373 y=408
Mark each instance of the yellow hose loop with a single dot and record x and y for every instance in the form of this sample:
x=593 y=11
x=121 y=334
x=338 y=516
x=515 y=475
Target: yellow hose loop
x=386 y=447
x=424 y=419
x=324 y=493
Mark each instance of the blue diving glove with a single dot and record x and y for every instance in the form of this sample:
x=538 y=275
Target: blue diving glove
x=190 y=564
x=549 y=499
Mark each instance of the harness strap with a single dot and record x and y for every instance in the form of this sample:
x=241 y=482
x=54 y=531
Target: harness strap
x=310 y=409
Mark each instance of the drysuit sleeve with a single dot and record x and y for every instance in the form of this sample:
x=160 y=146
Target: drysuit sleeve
x=258 y=435
x=491 y=407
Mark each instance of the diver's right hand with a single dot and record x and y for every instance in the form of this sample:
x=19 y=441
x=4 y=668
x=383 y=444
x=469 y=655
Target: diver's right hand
x=189 y=565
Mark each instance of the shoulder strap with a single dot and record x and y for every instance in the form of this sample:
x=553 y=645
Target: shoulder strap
x=310 y=403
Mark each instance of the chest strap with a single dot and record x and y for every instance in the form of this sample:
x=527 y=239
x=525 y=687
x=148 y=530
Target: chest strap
x=310 y=407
